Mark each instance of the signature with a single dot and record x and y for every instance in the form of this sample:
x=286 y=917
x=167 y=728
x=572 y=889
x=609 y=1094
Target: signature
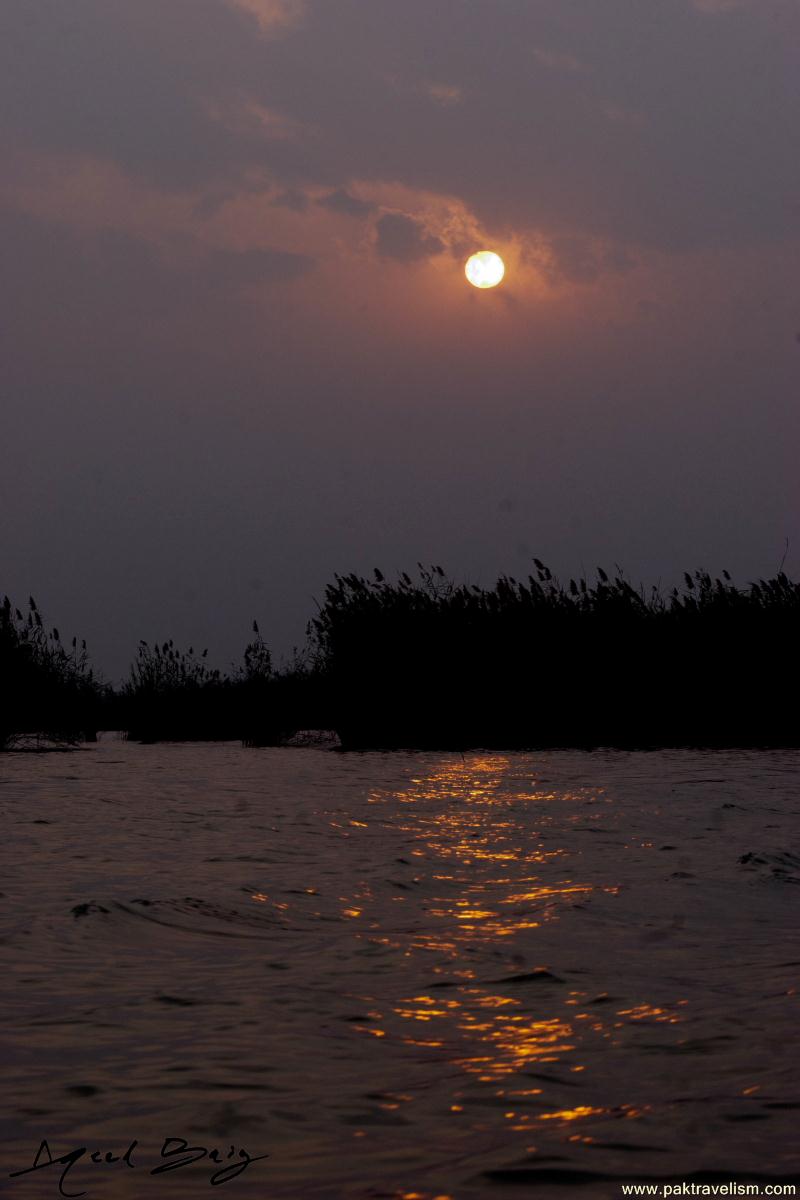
x=176 y=1153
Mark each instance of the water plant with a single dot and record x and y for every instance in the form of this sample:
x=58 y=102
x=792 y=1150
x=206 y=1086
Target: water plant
x=537 y=662
x=47 y=689
x=430 y=662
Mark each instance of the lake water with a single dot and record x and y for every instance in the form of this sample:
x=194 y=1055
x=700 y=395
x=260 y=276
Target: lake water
x=400 y=975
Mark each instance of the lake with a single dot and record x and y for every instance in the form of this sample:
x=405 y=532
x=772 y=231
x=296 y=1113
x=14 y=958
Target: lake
x=399 y=975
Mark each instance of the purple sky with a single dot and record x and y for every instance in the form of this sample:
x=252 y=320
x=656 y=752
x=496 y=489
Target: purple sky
x=238 y=349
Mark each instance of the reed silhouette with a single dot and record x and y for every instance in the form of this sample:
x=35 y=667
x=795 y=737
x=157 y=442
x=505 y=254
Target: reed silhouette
x=533 y=663
x=46 y=688
x=429 y=663
x=172 y=695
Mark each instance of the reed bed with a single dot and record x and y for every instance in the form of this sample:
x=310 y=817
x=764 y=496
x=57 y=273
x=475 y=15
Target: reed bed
x=426 y=662
x=46 y=688
x=536 y=662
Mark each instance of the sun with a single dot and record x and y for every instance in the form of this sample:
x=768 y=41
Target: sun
x=485 y=269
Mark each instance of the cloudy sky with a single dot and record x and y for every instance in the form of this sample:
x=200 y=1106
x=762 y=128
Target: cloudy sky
x=238 y=350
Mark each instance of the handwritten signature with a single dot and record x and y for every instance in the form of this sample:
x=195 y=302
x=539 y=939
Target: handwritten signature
x=176 y=1152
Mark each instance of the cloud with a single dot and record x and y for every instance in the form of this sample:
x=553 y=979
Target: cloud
x=237 y=268
x=580 y=260
x=248 y=120
x=292 y=199
x=132 y=84
x=343 y=203
x=272 y=15
x=622 y=122
x=405 y=239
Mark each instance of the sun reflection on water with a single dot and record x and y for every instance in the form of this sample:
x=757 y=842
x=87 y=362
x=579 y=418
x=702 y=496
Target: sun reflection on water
x=486 y=843
x=466 y=814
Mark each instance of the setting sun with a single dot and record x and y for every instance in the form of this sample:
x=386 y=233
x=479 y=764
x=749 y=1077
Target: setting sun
x=485 y=269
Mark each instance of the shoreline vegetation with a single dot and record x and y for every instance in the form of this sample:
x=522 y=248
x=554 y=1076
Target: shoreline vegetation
x=427 y=663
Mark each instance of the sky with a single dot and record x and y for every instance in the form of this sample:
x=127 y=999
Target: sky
x=238 y=350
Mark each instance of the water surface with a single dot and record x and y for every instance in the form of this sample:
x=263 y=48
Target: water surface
x=401 y=974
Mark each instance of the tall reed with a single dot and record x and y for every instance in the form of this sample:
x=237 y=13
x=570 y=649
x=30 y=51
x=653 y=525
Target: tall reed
x=538 y=662
x=46 y=688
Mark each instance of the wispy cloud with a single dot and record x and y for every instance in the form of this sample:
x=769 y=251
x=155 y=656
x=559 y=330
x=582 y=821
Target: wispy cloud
x=447 y=94
x=342 y=202
x=272 y=15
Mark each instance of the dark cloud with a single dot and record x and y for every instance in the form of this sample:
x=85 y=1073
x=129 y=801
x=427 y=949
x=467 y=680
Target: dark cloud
x=236 y=268
x=661 y=126
x=129 y=84
x=575 y=259
x=404 y=239
x=342 y=202
x=294 y=200
x=664 y=125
